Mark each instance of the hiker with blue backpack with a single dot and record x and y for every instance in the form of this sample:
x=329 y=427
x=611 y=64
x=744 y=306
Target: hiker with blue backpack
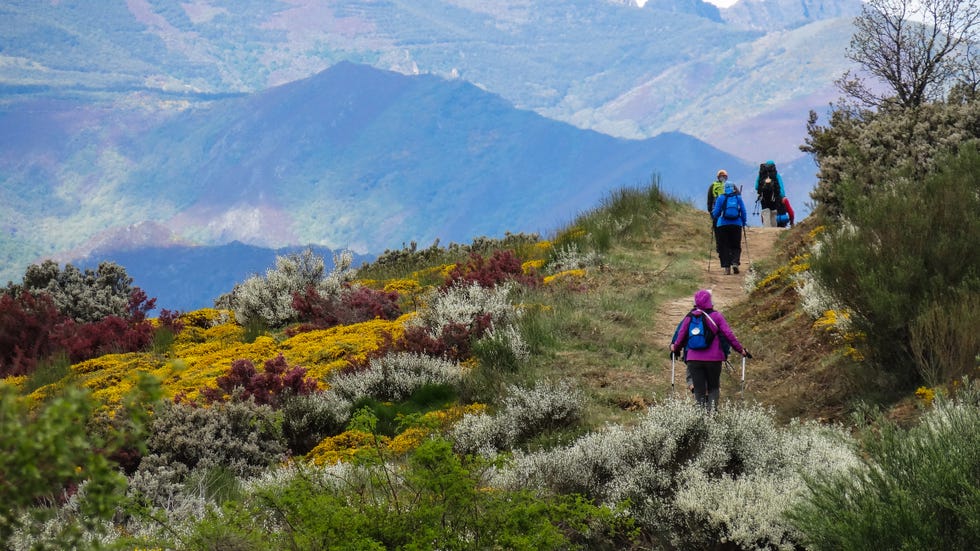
x=704 y=335
x=729 y=216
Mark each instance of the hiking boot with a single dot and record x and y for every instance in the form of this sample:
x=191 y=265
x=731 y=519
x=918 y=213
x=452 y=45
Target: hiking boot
x=728 y=270
x=735 y=269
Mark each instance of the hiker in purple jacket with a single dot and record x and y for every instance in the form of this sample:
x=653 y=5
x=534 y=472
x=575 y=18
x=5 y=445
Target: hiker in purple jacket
x=705 y=365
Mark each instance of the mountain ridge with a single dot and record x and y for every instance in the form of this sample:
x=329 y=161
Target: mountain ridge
x=354 y=157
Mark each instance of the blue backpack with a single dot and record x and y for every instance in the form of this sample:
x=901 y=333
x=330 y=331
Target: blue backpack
x=726 y=347
x=732 y=210
x=699 y=334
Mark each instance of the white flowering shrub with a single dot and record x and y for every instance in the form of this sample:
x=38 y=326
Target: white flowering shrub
x=568 y=257
x=85 y=296
x=238 y=436
x=524 y=412
x=503 y=349
x=269 y=299
x=692 y=477
x=395 y=377
x=461 y=304
x=309 y=418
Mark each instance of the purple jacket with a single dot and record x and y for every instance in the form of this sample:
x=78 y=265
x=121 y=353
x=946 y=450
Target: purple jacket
x=702 y=301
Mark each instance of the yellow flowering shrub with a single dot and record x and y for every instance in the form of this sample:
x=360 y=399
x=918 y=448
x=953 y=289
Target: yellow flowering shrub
x=784 y=274
x=403 y=286
x=561 y=276
x=408 y=440
x=343 y=447
x=542 y=249
x=207 y=317
x=16 y=381
x=926 y=395
x=200 y=365
x=325 y=350
x=571 y=234
x=532 y=266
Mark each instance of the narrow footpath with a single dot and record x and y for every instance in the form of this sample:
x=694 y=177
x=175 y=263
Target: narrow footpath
x=726 y=290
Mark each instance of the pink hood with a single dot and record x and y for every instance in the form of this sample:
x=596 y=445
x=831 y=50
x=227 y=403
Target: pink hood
x=702 y=299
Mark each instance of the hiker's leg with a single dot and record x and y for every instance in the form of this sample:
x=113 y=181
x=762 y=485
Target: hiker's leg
x=772 y=218
x=737 y=246
x=699 y=378
x=712 y=373
x=728 y=236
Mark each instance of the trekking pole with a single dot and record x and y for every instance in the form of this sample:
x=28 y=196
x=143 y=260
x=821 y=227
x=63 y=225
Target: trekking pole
x=741 y=390
x=711 y=245
x=745 y=237
x=672 y=392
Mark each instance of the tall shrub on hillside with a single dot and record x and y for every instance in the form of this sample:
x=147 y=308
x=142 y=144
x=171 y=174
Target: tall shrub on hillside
x=690 y=480
x=905 y=250
x=84 y=296
x=269 y=299
x=873 y=149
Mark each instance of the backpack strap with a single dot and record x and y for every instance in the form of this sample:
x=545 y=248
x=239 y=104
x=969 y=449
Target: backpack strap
x=707 y=315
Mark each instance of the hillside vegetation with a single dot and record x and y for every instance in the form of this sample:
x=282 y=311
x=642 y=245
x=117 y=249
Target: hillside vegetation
x=510 y=393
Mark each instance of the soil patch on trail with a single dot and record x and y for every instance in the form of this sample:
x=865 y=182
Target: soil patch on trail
x=726 y=290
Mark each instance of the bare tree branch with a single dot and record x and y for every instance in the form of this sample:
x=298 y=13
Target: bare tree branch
x=917 y=49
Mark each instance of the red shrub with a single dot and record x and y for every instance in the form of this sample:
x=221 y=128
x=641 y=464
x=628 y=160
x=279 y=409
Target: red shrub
x=110 y=335
x=170 y=319
x=26 y=325
x=139 y=305
x=267 y=387
x=354 y=305
x=502 y=266
x=454 y=342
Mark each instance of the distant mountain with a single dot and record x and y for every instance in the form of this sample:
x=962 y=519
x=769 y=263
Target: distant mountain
x=767 y=15
x=189 y=278
x=588 y=62
x=693 y=7
x=353 y=157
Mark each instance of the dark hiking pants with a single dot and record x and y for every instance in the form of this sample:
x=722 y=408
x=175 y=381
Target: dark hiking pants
x=729 y=245
x=707 y=382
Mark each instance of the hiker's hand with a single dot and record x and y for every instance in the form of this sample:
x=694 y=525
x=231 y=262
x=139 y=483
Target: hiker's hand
x=746 y=354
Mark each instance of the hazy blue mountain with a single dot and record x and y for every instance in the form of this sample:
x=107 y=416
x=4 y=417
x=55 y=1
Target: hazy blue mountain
x=589 y=62
x=188 y=278
x=353 y=157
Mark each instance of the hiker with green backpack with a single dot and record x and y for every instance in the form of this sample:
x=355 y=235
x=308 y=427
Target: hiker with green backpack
x=716 y=190
x=729 y=216
x=703 y=335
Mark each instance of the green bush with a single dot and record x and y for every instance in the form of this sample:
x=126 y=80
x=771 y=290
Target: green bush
x=906 y=247
x=53 y=454
x=433 y=501
x=918 y=488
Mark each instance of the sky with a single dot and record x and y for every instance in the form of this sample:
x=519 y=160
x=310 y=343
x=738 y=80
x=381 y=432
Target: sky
x=719 y=3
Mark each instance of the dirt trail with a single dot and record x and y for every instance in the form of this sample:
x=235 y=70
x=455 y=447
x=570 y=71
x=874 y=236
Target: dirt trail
x=726 y=289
